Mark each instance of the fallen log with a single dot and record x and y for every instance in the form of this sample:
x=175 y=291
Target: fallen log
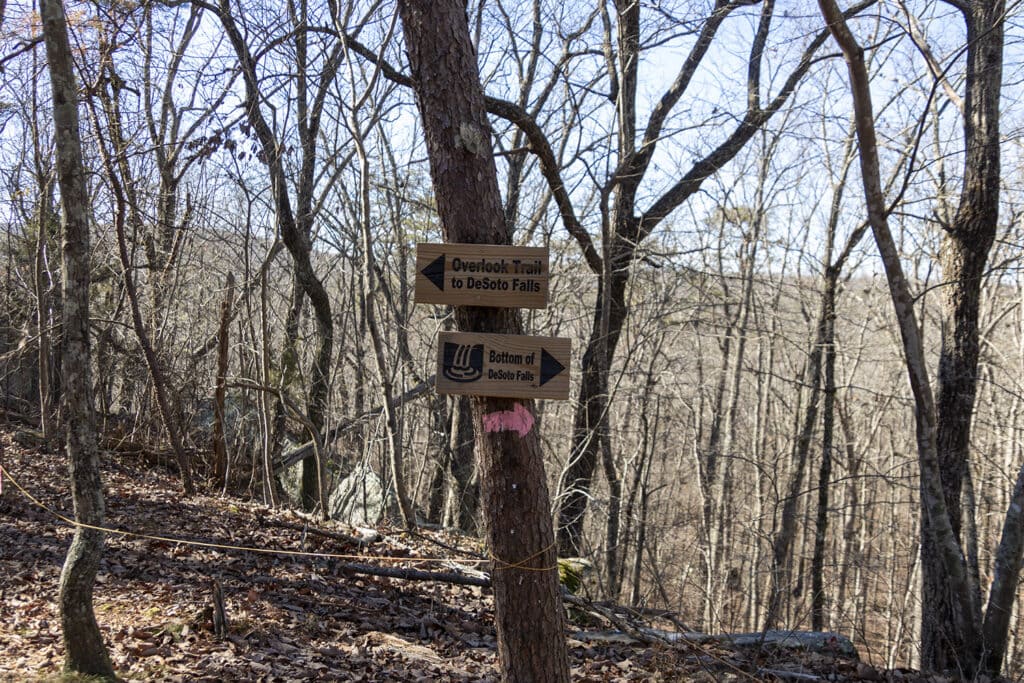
x=415 y=574
x=808 y=641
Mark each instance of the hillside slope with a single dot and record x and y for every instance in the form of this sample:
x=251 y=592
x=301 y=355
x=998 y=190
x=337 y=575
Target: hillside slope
x=298 y=607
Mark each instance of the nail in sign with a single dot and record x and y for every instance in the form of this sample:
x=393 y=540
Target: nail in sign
x=482 y=275
x=511 y=366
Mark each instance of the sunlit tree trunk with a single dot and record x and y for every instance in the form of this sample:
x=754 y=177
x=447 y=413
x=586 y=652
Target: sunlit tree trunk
x=85 y=651
x=528 y=612
x=963 y=627
x=964 y=257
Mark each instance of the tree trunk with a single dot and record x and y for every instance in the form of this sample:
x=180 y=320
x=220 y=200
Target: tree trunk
x=47 y=224
x=40 y=281
x=612 y=554
x=528 y=611
x=288 y=377
x=964 y=257
x=783 y=542
x=591 y=408
x=1005 y=579
x=818 y=600
x=269 y=440
x=464 y=493
x=392 y=425
x=220 y=452
x=85 y=651
x=1006 y=566
x=439 y=454
x=963 y=628
x=707 y=467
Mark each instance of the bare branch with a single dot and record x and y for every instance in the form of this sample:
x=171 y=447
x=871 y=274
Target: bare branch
x=938 y=73
x=306 y=449
x=750 y=124
x=549 y=168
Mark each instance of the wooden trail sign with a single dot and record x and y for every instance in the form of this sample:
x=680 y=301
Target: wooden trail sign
x=507 y=365
x=482 y=275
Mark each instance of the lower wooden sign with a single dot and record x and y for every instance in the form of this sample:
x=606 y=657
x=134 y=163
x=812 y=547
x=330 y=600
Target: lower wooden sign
x=507 y=365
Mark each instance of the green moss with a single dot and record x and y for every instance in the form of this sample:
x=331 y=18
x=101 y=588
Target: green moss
x=173 y=629
x=571 y=571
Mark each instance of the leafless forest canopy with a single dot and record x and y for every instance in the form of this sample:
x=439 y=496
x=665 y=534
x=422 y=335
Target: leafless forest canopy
x=698 y=198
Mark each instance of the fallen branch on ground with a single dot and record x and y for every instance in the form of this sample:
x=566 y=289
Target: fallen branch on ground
x=415 y=574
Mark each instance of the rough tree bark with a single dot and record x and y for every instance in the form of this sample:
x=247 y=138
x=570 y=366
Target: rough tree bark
x=963 y=627
x=85 y=651
x=528 y=613
x=964 y=257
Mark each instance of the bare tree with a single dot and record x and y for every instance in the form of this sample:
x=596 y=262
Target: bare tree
x=113 y=149
x=820 y=377
x=964 y=253
x=624 y=225
x=85 y=651
x=370 y=285
x=295 y=222
x=956 y=632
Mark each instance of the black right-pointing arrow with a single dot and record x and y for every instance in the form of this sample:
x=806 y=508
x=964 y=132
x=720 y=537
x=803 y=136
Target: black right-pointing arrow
x=435 y=272
x=549 y=367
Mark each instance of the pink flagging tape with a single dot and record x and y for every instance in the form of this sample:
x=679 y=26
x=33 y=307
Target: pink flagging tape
x=519 y=420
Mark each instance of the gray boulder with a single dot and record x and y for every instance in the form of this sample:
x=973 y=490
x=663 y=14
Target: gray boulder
x=360 y=499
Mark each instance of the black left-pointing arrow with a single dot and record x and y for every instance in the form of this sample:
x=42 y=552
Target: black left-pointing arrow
x=549 y=367
x=435 y=272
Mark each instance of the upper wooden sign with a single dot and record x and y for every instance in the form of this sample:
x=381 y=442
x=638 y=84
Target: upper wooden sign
x=508 y=365
x=482 y=275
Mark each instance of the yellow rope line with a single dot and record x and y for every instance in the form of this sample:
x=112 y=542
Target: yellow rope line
x=219 y=546
x=522 y=563
x=267 y=551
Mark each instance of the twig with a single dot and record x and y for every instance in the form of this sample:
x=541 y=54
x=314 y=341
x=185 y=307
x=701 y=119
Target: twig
x=789 y=675
x=614 y=619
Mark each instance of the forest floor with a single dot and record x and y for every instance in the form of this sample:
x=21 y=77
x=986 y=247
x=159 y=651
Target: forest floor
x=291 y=616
